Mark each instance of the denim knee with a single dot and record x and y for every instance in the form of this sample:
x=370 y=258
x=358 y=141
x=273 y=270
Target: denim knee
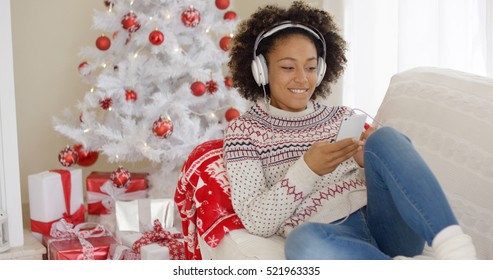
x=297 y=243
x=385 y=136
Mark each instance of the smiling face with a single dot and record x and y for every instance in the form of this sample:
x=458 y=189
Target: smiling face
x=292 y=72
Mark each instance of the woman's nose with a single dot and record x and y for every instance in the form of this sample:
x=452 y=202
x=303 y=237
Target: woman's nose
x=301 y=75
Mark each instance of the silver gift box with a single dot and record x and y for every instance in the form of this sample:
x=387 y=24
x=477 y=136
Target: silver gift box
x=138 y=215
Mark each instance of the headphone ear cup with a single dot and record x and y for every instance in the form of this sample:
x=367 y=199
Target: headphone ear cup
x=322 y=66
x=260 y=71
x=255 y=71
x=265 y=70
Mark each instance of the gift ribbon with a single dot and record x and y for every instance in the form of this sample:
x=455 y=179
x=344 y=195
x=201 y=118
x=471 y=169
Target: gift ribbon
x=109 y=194
x=122 y=252
x=163 y=238
x=65 y=230
x=75 y=218
x=45 y=227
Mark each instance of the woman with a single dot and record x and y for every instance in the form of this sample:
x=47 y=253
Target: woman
x=289 y=177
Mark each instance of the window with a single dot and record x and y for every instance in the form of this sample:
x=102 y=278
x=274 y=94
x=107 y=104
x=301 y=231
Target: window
x=390 y=36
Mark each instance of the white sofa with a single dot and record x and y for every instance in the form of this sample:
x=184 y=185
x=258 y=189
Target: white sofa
x=449 y=117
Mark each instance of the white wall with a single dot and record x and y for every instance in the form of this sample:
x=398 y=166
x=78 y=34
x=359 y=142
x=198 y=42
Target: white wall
x=47 y=37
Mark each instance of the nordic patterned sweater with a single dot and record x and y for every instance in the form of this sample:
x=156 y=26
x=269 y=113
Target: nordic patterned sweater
x=272 y=188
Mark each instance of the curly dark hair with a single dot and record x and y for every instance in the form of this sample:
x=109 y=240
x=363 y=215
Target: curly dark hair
x=241 y=54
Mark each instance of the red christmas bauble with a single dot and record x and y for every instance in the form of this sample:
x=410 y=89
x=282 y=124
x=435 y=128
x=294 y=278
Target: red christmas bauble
x=103 y=43
x=224 y=43
x=130 y=23
x=106 y=103
x=85 y=158
x=130 y=95
x=68 y=157
x=228 y=82
x=231 y=114
x=162 y=128
x=211 y=86
x=222 y=4
x=84 y=68
x=120 y=178
x=190 y=17
x=198 y=88
x=156 y=37
x=230 y=15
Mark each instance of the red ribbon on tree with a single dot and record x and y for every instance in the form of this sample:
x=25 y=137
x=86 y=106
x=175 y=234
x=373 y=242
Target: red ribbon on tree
x=163 y=238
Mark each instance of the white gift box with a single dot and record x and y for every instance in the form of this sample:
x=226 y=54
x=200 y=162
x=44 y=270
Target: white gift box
x=138 y=215
x=151 y=251
x=46 y=197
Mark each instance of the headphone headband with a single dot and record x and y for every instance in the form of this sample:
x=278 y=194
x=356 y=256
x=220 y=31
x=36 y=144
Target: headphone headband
x=259 y=64
x=284 y=25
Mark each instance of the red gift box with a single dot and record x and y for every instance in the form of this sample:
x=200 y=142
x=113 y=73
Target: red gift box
x=71 y=249
x=70 y=243
x=101 y=194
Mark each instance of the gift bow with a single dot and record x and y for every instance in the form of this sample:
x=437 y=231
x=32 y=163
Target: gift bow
x=163 y=238
x=109 y=194
x=65 y=230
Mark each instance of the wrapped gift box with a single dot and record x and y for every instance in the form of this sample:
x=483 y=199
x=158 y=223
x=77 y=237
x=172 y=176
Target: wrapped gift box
x=138 y=215
x=53 y=195
x=101 y=194
x=71 y=249
x=73 y=243
x=154 y=251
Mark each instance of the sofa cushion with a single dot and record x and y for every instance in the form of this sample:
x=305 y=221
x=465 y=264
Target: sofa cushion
x=449 y=117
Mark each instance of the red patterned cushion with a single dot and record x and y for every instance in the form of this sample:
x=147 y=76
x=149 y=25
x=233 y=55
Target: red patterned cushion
x=203 y=198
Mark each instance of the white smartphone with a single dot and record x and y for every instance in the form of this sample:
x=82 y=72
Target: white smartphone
x=351 y=127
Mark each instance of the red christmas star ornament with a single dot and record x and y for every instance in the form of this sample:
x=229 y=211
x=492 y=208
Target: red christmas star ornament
x=106 y=103
x=211 y=86
x=130 y=95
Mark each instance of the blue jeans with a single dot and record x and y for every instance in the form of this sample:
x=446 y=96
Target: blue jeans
x=406 y=208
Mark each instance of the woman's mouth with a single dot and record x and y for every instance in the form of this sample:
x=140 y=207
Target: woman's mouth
x=298 y=91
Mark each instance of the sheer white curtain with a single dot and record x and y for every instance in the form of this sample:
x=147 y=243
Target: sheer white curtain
x=390 y=36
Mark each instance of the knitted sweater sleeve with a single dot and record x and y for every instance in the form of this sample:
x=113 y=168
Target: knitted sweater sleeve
x=261 y=207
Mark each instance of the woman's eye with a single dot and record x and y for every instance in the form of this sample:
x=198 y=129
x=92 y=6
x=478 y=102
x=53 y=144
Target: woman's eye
x=287 y=68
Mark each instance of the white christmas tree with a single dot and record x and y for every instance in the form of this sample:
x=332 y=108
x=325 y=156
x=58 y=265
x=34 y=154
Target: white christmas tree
x=159 y=85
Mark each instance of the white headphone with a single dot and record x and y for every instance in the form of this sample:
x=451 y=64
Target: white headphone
x=259 y=64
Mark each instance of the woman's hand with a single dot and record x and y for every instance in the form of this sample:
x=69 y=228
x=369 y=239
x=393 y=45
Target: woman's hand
x=359 y=156
x=324 y=157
